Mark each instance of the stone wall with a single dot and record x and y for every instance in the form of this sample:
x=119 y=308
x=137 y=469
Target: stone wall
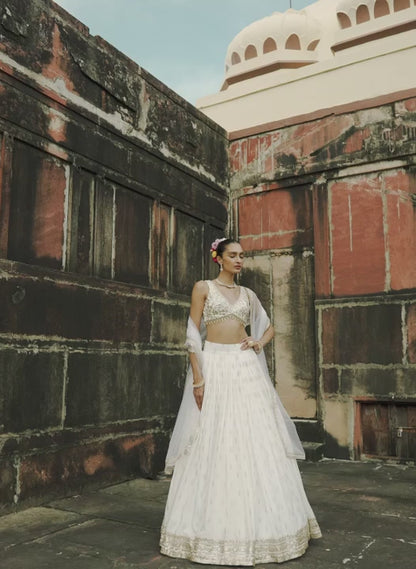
x=325 y=205
x=111 y=189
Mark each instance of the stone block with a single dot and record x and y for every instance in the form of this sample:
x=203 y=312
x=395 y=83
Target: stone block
x=81 y=236
x=169 y=323
x=313 y=139
x=70 y=469
x=38 y=442
x=30 y=526
x=370 y=382
x=406 y=382
x=266 y=156
x=357 y=237
x=253 y=148
x=48 y=308
x=187 y=254
x=256 y=274
x=406 y=107
x=105 y=388
x=31 y=388
x=234 y=153
x=132 y=229
x=314 y=452
x=401 y=222
x=160 y=270
x=400 y=181
x=362 y=334
x=7 y=482
x=330 y=381
x=321 y=241
x=16 y=105
x=36 y=223
x=337 y=422
x=309 y=430
x=176 y=188
x=411 y=332
x=211 y=269
x=103 y=237
x=294 y=321
x=275 y=219
x=6 y=162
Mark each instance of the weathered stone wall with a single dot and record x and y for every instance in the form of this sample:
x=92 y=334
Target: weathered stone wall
x=111 y=188
x=326 y=207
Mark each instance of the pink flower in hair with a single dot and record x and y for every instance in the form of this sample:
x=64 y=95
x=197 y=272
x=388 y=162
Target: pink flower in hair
x=214 y=246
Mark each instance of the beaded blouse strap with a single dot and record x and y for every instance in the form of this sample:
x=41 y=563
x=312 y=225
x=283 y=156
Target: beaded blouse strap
x=210 y=287
x=247 y=296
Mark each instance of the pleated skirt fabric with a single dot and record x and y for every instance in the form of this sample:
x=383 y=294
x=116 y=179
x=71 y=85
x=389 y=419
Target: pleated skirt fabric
x=235 y=497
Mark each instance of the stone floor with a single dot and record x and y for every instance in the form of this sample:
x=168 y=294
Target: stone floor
x=367 y=513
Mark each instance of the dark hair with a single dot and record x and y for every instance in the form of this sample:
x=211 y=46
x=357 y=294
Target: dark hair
x=222 y=246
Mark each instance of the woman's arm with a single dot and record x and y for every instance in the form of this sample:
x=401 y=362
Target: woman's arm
x=259 y=344
x=199 y=294
x=259 y=321
x=265 y=339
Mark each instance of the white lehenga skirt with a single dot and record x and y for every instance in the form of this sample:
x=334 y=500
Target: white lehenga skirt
x=235 y=497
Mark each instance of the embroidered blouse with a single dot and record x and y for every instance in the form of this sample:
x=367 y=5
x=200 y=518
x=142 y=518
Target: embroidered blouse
x=218 y=308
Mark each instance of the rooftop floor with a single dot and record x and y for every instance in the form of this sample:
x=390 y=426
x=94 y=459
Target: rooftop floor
x=367 y=513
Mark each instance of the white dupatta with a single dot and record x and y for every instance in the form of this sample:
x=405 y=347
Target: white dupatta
x=187 y=421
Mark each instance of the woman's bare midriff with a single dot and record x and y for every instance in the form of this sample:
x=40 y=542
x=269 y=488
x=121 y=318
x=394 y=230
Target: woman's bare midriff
x=229 y=331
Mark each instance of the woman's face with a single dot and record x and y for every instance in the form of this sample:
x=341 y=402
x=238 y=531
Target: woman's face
x=233 y=258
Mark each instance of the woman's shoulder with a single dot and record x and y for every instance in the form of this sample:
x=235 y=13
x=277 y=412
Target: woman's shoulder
x=201 y=287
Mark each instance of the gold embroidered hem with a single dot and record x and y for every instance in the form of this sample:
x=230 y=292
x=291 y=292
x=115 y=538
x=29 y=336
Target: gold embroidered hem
x=214 y=552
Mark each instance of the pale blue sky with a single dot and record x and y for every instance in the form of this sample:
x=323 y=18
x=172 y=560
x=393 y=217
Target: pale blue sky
x=182 y=42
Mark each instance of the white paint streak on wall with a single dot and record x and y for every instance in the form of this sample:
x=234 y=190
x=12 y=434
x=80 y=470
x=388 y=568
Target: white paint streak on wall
x=65 y=243
x=113 y=238
x=350 y=220
x=331 y=245
x=64 y=385
x=404 y=335
x=387 y=282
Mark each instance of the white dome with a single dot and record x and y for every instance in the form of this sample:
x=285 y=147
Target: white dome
x=289 y=37
x=355 y=12
x=284 y=42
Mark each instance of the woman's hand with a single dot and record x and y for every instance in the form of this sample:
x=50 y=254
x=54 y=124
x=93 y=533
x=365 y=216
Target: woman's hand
x=250 y=342
x=199 y=396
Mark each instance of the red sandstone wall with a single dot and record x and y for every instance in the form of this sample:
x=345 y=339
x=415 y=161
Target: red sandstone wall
x=111 y=187
x=340 y=188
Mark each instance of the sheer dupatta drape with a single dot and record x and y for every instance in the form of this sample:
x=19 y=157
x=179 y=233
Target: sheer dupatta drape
x=187 y=420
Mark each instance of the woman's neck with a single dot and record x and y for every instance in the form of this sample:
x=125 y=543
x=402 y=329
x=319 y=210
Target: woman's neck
x=226 y=278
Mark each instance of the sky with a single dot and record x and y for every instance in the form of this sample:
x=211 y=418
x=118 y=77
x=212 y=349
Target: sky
x=182 y=42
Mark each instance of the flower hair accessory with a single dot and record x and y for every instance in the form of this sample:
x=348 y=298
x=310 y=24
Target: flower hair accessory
x=214 y=246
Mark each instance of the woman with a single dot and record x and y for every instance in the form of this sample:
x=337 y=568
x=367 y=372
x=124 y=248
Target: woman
x=236 y=496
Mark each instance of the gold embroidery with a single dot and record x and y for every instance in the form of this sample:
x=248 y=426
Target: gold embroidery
x=223 y=318
x=217 y=308
x=203 y=550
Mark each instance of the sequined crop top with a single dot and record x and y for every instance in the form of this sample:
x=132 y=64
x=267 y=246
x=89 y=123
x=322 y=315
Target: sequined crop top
x=218 y=308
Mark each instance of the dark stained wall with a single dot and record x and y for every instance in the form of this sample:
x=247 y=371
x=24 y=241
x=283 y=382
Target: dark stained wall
x=326 y=208
x=111 y=188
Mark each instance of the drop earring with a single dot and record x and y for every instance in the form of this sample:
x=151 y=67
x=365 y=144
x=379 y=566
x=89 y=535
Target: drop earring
x=220 y=267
